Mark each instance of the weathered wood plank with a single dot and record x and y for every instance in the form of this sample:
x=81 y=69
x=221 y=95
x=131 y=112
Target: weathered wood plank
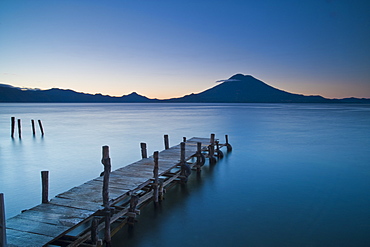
x=25 y=225
x=25 y=239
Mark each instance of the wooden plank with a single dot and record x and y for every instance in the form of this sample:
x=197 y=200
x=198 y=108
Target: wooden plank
x=25 y=239
x=76 y=204
x=25 y=225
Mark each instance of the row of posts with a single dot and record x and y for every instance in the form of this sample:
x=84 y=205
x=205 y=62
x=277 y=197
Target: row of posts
x=157 y=185
x=13 y=126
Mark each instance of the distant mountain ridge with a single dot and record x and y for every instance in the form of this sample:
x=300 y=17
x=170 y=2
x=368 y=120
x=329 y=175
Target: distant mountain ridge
x=237 y=89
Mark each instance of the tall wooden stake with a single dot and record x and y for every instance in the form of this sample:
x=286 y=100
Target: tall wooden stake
x=19 y=128
x=33 y=127
x=212 y=141
x=144 y=153
x=155 y=174
x=12 y=127
x=2 y=221
x=41 y=128
x=199 y=153
x=166 y=142
x=45 y=186
x=107 y=169
x=185 y=168
x=228 y=146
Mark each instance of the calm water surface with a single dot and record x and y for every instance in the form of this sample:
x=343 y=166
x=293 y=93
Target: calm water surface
x=299 y=174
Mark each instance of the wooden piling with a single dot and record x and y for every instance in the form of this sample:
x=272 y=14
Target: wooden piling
x=2 y=222
x=166 y=142
x=94 y=231
x=45 y=186
x=41 y=128
x=12 y=127
x=144 y=153
x=19 y=128
x=107 y=169
x=33 y=127
x=228 y=146
x=185 y=168
x=132 y=211
x=220 y=154
x=155 y=175
x=212 y=140
x=211 y=152
x=199 y=157
x=184 y=139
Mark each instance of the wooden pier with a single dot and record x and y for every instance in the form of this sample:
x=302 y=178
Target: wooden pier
x=89 y=214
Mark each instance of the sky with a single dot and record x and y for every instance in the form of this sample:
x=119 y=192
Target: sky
x=166 y=48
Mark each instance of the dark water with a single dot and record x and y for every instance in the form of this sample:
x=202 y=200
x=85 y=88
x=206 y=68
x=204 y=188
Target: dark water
x=299 y=174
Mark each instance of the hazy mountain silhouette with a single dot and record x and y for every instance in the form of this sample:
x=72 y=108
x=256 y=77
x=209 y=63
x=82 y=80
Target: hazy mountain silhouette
x=237 y=89
x=13 y=94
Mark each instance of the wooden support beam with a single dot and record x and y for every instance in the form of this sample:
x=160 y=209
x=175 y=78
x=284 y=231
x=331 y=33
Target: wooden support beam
x=212 y=140
x=185 y=168
x=33 y=127
x=2 y=221
x=19 y=129
x=166 y=142
x=41 y=128
x=12 y=123
x=94 y=231
x=211 y=152
x=220 y=155
x=132 y=210
x=155 y=175
x=45 y=186
x=107 y=170
x=228 y=146
x=200 y=161
x=144 y=153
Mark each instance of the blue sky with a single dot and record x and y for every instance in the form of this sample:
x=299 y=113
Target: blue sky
x=164 y=49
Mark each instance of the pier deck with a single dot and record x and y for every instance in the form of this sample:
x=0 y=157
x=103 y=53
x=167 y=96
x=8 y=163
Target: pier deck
x=67 y=219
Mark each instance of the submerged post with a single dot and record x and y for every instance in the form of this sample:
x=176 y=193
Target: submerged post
x=41 y=128
x=212 y=140
x=155 y=175
x=33 y=127
x=94 y=231
x=19 y=128
x=185 y=168
x=12 y=126
x=211 y=152
x=144 y=153
x=228 y=146
x=220 y=154
x=200 y=163
x=2 y=222
x=166 y=142
x=107 y=168
x=45 y=186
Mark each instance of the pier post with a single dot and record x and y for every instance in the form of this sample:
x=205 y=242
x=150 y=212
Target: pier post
x=19 y=129
x=132 y=211
x=220 y=155
x=211 y=152
x=185 y=168
x=33 y=127
x=12 y=126
x=94 y=231
x=2 y=222
x=212 y=140
x=184 y=139
x=166 y=142
x=155 y=174
x=107 y=169
x=41 y=128
x=228 y=146
x=200 y=161
x=45 y=186
x=144 y=153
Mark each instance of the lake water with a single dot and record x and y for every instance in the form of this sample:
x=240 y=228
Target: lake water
x=298 y=175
